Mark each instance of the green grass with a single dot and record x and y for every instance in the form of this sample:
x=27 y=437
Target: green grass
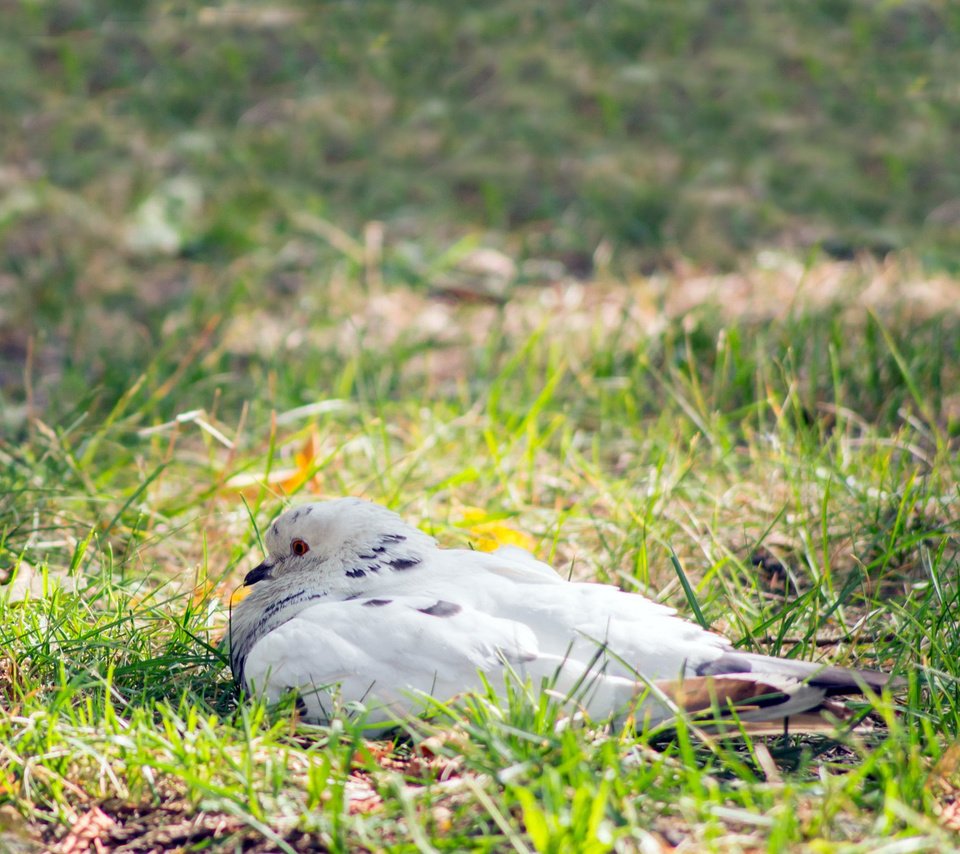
x=786 y=432
x=115 y=692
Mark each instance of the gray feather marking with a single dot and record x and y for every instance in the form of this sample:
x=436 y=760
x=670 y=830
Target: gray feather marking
x=441 y=609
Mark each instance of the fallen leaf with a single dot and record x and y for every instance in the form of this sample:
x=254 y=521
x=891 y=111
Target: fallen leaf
x=238 y=595
x=86 y=833
x=362 y=798
x=489 y=534
x=305 y=460
x=950 y=816
x=289 y=479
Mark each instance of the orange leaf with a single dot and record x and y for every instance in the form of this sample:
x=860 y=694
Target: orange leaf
x=288 y=479
x=304 y=459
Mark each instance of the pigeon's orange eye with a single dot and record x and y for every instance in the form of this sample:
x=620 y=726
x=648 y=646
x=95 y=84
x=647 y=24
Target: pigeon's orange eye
x=299 y=547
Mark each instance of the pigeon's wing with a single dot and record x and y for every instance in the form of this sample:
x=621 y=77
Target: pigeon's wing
x=639 y=636
x=391 y=652
x=389 y=655
x=635 y=635
x=648 y=642
x=518 y=563
x=383 y=652
x=624 y=638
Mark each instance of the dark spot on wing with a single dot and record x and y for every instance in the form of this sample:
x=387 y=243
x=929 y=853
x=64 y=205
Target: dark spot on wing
x=392 y=538
x=840 y=680
x=441 y=609
x=726 y=663
x=367 y=557
x=360 y=571
x=376 y=603
x=403 y=562
x=766 y=696
x=300 y=704
x=308 y=510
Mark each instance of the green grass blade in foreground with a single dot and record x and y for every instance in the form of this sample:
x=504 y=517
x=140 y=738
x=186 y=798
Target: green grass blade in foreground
x=688 y=591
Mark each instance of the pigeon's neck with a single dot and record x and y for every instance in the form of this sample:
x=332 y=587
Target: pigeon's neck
x=352 y=572
x=263 y=611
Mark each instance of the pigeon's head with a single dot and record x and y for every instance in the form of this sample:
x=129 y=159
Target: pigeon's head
x=345 y=538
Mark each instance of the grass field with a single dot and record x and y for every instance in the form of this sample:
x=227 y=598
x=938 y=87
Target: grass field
x=612 y=281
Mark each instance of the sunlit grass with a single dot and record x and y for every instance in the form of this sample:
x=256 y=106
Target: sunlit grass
x=116 y=692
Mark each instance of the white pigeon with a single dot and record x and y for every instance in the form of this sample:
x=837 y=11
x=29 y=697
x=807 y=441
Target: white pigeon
x=355 y=609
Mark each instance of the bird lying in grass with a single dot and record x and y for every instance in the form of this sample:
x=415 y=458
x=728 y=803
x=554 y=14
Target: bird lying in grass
x=353 y=607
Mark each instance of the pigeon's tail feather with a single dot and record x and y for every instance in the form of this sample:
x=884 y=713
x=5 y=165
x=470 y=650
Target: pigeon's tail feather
x=831 y=680
x=745 y=693
x=762 y=703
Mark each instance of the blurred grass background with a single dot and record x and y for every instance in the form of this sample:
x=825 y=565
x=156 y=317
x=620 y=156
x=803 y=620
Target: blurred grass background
x=165 y=162
x=698 y=128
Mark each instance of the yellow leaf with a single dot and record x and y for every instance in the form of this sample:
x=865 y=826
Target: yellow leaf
x=241 y=593
x=489 y=534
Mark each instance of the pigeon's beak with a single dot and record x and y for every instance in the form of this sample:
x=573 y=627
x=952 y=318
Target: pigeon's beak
x=258 y=573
